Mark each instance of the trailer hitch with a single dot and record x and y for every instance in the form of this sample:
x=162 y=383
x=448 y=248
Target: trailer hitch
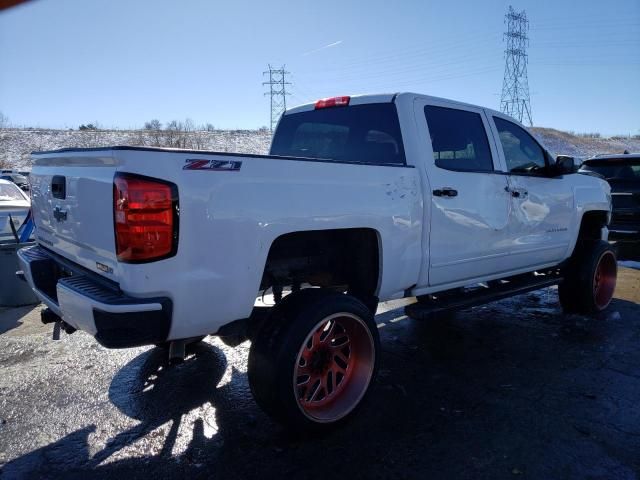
x=49 y=316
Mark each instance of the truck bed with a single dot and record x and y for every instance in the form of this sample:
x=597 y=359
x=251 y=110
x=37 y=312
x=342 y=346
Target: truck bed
x=232 y=207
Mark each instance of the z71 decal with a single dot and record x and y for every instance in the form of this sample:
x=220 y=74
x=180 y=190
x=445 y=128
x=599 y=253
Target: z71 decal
x=212 y=165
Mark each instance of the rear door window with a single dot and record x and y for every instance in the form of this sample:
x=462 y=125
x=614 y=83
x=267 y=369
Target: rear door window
x=459 y=139
x=368 y=133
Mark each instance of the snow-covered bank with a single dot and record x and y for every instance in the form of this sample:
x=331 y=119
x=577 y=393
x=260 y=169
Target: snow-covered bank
x=565 y=143
x=17 y=144
x=629 y=264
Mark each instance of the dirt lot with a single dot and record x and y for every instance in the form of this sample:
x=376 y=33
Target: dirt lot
x=513 y=389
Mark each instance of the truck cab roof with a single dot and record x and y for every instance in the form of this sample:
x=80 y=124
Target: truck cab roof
x=386 y=98
x=614 y=157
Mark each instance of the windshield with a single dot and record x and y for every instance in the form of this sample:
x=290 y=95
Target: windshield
x=629 y=170
x=367 y=133
x=19 y=178
x=9 y=192
x=14 y=178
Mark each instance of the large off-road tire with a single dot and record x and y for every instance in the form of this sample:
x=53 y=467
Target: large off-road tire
x=314 y=360
x=590 y=279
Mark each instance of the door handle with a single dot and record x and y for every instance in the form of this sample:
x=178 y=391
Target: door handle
x=58 y=187
x=445 y=192
x=516 y=192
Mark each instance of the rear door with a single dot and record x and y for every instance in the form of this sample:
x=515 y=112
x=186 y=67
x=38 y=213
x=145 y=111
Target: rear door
x=542 y=205
x=469 y=202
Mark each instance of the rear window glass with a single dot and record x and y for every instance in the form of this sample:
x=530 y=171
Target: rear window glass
x=459 y=139
x=9 y=192
x=367 y=133
x=615 y=170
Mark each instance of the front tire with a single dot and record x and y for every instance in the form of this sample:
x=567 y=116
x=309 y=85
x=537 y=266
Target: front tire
x=312 y=363
x=590 y=279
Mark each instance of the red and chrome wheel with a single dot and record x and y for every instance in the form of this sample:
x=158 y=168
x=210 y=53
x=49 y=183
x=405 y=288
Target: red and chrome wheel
x=589 y=279
x=604 y=279
x=334 y=367
x=314 y=359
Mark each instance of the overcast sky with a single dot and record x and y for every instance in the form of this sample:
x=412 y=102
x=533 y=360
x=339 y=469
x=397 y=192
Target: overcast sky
x=123 y=62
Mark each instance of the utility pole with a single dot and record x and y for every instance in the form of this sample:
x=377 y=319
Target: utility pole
x=278 y=92
x=515 y=100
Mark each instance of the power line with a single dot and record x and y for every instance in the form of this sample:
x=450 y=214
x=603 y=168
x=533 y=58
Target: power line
x=415 y=82
x=409 y=57
x=402 y=71
x=277 y=91
x=515 y=100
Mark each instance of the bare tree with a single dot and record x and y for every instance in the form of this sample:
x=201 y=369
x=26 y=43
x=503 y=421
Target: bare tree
x=190 y=134
x=154 y=128
x=4 y=120
x=139 y=138
x=176 y=134
x=4 y=162
x=172 y=134
x=154 y=124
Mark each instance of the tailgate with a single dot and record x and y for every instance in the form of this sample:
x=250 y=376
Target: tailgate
x=72 y=202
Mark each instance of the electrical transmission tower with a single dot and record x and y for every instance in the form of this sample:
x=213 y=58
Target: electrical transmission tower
x=515 y=86
x=278 y=92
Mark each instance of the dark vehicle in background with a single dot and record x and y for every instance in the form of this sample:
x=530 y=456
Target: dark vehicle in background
x=18 y=179
x=623 y=174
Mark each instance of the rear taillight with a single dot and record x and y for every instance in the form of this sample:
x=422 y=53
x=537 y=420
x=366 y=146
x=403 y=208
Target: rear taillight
x=333 y=102
x=145 y=214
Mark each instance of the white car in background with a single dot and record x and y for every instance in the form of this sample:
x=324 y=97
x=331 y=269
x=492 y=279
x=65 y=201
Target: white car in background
x=14 y=204
x=17 y=178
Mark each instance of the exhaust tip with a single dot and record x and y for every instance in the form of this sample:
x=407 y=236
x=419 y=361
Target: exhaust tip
x=177 y=352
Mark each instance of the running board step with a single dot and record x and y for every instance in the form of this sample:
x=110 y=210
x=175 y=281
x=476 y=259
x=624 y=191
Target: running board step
x=478 y=296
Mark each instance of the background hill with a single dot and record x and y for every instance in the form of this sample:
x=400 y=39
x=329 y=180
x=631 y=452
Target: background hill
x=16 y=144
x=584 y=146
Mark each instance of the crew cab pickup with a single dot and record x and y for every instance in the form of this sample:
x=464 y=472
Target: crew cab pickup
x=622 y=172
x=361 y=199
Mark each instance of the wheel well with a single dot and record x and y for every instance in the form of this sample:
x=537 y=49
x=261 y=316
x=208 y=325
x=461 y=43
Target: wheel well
x=591 y=225
x=343 y=260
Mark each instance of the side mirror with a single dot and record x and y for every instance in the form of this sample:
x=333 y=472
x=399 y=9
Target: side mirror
x=565 y=165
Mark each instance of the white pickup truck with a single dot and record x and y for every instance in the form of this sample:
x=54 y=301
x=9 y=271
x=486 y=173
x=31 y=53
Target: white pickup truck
x=361 y=199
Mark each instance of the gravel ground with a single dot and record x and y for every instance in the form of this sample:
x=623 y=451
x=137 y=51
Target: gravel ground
x=513 y=389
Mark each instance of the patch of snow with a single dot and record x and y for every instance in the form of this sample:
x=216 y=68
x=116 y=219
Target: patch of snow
x=629 y=264
x=566 y=143
x=16 y=144
x=614 y=316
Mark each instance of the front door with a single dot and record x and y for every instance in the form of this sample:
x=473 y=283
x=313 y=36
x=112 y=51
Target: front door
x=542 y=205
x=469 y=203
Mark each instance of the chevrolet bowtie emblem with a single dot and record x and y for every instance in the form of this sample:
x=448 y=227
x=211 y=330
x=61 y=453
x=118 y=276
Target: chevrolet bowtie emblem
x=59 y=214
